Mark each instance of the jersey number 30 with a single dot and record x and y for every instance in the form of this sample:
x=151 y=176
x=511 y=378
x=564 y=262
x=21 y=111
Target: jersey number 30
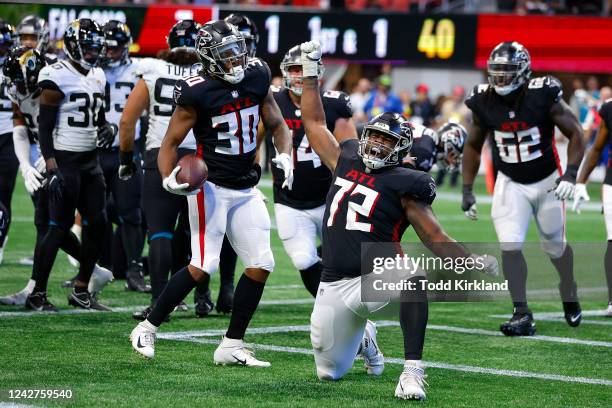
x=366 y=208
x=237 y=131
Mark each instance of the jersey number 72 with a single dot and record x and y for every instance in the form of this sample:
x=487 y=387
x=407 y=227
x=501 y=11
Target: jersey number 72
x=366 y=208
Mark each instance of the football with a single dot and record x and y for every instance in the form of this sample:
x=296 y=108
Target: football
x=193 y=171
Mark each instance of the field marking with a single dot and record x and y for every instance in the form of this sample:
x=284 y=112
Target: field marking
x=558 y=317
x=15 y=405
x=387 y=323
x=432 y=364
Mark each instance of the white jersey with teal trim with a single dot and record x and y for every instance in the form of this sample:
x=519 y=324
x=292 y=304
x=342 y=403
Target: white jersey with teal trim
x=75 y=129
x=6 y=108
x=160 y=77
x=29 y=106
x=119 y=84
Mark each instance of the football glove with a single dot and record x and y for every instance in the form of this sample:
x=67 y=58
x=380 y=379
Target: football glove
x=489 y=263
x=127 y=168
x=283 y=161
x=468 y=203
x=32 y=179
x=55 y=184
x=580 y=196
x=106 y=135
x=41 y=165
x=311 y=55
x=172 y=186
x=567 y=183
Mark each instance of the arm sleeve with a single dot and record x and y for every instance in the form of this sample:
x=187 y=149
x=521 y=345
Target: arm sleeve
x=21 y=142
x=46 y=124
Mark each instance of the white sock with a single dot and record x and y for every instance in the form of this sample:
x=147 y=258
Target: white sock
x=413 y=363
x=30 y=286
x=149 y=326
x=227 y=342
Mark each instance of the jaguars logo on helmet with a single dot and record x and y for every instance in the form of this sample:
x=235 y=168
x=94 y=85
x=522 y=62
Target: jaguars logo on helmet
x=222 y=51
x=376 y=154
x=84 y=42
x=21 y=69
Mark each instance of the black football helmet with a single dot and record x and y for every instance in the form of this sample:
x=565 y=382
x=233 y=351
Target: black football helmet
x=249 y=31
x=21 y=69
x=34 y=26
x=222 y=51
x=451 y=139
x=117 y=36
x=293 y=58
x=509 y=67
x=7 y=38
x=377 y=154
x=183 y=34
x=84 y=42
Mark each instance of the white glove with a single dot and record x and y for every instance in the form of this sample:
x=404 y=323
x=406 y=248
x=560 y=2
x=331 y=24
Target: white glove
x=172 y=186
x=32 y=178
x=311 y=57
x=283 y=161
x=41 y=165
x=490 y=264
x=565 y=190
x=580 y=195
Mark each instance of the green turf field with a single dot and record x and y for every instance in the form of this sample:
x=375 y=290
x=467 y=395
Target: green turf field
x=470 y=364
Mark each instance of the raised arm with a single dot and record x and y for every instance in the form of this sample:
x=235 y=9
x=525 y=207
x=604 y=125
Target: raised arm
x=315 y=127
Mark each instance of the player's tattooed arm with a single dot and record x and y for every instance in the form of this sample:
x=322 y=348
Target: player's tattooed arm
x=50 y=100
x=430 y=232
x=136 y=104
x=320 y=138
x=182 y=121
x=275 y=124
x=594 y=154
x=563 y=117
x=345 y=129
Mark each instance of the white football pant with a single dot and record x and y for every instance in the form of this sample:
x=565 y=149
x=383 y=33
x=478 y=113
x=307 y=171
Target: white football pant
x=606 y=197
x=299 y=229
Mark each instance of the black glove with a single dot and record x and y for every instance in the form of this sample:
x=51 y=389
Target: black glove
x=55 y=184
x=127 y=168
x=106 y=135
x=468 y=202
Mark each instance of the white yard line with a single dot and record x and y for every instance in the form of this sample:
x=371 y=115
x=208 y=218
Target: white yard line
x=558 y=317
x=434 y=364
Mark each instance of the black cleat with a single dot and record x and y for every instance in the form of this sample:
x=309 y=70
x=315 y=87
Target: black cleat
x=84 y=300
x=225 y=300
x=39 y=303
x=143 y=314
x=70 y=282
x=203 y=303
x=135 y=279
x=521 y=324
x=571 y=306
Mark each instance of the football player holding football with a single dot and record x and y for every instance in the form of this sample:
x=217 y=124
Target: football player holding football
x=154 y=92
x=299 y=211
x=519 y=114
x=373 y=198
x=71 y=114
x=581 y=195
x=223 y=105
x=21 y=71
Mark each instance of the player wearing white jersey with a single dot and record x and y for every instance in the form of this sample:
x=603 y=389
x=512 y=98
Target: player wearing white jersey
x=123 y=196
x=8 y=161
x=71 y=112
x=154 y=92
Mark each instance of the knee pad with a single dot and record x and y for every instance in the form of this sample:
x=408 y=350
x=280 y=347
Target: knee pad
x=131 y=216
x=303 y=260
x=327 y=374
x=264 y=260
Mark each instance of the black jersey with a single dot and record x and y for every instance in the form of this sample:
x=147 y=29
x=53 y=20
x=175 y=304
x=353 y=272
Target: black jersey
x=226 y=127
x=424 y=150
x=522 y=133
x=606 y=117
x=311 y=179
x=365 y=207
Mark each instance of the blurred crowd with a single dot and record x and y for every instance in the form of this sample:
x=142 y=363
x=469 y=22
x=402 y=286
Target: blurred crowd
x=586 y=99
x=598 y=7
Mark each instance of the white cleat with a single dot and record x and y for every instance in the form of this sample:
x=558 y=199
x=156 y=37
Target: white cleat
x=143 y=340
x=373 y=358
x=411 y=385
x=16 y=299
x=234 y=352
x=609 y=310
x=100 y=277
